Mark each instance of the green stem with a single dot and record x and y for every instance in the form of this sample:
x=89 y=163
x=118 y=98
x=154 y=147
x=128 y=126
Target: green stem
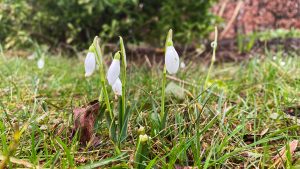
x=162 y=108
x=109 y=116
x=123 y=76
x=163 y=116
x=100 y=98
x=213 y=59
x=102 y=75
x=123 y=96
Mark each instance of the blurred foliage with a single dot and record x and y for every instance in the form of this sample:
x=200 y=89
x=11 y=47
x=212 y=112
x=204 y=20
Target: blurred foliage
x=75 y=22
x=246 y=42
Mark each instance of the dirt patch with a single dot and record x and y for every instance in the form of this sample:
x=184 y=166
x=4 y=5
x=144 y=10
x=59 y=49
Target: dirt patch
x=257 y=15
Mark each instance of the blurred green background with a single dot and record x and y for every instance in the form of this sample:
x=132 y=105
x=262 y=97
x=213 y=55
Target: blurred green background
x=61 y=23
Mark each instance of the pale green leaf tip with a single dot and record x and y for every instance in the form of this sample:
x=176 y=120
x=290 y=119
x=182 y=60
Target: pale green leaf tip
x=96 y=41
x=169 y=38
x=117 y=55
x=92 y=48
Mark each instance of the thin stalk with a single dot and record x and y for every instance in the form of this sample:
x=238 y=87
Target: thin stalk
x=213 y=59
x=100 y=98
x=109 y=117
x=102 y=75
x=123 y=79
x=162 y=108
x=169 y=42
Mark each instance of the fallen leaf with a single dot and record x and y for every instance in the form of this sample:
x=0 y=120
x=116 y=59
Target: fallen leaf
x=184 y=167
x=20 y=162
x=84 y=122
x=264 y=132
x=80 y=159
x=281 y=157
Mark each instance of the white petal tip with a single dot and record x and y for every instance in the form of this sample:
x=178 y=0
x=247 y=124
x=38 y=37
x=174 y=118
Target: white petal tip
x=117 y=87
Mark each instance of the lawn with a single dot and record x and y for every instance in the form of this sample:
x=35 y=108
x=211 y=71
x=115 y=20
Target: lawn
x=245 y=116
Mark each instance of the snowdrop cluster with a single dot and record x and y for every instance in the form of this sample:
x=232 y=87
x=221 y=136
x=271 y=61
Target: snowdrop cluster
x=113 y=74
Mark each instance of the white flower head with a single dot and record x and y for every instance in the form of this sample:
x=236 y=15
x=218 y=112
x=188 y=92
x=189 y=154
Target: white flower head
x=171 y=60
x=117 y=87
x=41 y=63
x=114 y=70
x=90 y=64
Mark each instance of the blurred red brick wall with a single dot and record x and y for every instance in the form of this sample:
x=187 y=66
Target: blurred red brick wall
x=257 y=15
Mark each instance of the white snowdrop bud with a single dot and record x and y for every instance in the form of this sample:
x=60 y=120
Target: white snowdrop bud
x=90 y=64
x=117 y=87
x=114 y=70
x=41 y=63
x=171 y=60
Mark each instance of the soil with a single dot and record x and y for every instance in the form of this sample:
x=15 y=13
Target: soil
x=257 y=15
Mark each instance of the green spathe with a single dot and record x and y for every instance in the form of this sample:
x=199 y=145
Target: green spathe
x=117 y=55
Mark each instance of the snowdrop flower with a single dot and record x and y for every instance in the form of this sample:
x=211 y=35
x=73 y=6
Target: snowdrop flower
x=90 y=64
x=114 y=70
x=171 y=60
x=41 y=63
x=117 y=87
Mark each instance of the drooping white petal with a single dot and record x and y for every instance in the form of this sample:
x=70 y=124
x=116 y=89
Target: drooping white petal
x=41 y=63
x=113 y=72
x=117 y=87
x=171 y=60
x=89 y=64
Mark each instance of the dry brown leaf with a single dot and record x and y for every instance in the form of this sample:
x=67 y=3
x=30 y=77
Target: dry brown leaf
x=80 y=159
x=184 y=167
x=264 y=132
x=84 y=121
x=281 y=158
x=20 y=162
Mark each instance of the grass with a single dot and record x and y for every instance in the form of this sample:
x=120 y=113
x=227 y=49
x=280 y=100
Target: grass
x=239 y=121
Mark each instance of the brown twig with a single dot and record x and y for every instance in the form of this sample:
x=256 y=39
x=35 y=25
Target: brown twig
x=235 y=13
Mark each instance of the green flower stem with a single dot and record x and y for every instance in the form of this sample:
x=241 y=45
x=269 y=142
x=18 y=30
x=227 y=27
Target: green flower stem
x=100 y=98
x=123 y=80
x=102 y=74
x=213 y=59
x=109 y=116
x=169 y=42
x=162 y=108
